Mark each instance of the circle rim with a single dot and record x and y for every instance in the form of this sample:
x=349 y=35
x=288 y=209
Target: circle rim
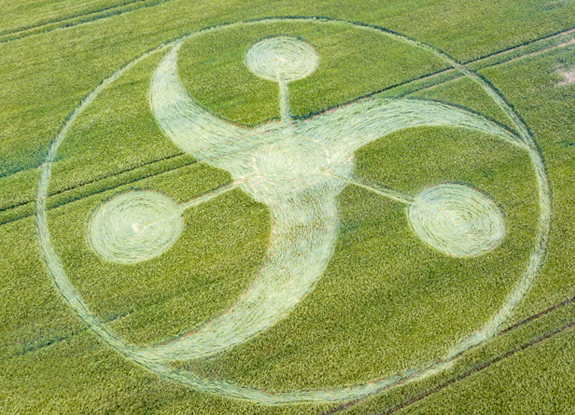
x=74 y=300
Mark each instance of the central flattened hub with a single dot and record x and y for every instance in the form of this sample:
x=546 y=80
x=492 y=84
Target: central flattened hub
x=292 y=162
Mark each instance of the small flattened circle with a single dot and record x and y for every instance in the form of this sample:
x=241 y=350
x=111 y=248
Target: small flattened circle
x=457 y=220
x=135 y=226
x=282 y=58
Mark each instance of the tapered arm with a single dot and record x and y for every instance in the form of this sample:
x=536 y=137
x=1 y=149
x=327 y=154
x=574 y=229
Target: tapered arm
x=348 y=128
x=191 y=127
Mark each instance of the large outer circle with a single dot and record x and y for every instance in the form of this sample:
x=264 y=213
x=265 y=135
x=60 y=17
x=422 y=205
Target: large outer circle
x=226 y=389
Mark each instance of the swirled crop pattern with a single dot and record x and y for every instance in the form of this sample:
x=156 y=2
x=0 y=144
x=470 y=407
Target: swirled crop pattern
x=135 y=226
x=457 y=220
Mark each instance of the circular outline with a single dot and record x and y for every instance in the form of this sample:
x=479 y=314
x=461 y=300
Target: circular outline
x=225 y=389
x=416 y=225
x=249 y=63
x=110 y=256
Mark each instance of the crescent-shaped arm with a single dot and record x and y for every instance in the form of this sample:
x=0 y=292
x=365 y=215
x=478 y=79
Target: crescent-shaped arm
x=348 y=128
x=302 y=240
x=188 y=125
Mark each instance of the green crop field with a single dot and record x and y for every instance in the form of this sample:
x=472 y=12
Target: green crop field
x=230 y=207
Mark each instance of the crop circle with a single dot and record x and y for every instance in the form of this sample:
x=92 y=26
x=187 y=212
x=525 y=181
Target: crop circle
x=457 y=220
x=135 y=226
x=282 y=58
x=58 y=274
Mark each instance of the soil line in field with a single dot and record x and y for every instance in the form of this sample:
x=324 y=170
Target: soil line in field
x=478 y=367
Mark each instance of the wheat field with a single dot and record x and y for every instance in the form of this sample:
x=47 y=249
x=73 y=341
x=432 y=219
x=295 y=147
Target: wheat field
x=287 y=207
